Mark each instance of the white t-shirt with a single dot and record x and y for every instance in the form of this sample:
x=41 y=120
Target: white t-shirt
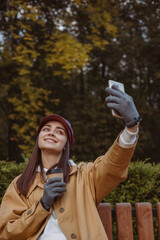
x=52 y=230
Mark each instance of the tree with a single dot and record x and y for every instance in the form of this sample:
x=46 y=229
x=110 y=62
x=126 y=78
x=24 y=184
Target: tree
x=134 y=61
x=42 y=42
x=57 y=56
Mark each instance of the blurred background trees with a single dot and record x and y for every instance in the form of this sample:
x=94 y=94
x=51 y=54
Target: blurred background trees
x=57 y=57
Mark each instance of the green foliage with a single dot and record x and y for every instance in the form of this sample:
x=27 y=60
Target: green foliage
x=57 y=57
x=39 y=45
x=66 y=57
x=8 y=171
x=142 y=185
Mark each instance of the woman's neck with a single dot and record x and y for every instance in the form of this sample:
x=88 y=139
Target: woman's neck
x=49 y=159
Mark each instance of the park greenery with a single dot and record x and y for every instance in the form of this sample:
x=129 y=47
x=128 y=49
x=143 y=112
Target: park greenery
x=57 y=57
x=142 y=185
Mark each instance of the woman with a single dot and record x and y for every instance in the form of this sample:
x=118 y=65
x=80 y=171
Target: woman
x=36 y=208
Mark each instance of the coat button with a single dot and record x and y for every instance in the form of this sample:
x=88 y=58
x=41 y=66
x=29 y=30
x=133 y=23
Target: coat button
x=29 y=211
x=61 y=210
x=73 y=236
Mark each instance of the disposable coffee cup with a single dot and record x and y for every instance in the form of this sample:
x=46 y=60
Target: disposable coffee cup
x=56 y=172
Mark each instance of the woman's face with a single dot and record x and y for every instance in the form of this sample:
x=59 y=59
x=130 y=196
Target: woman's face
x=53 y=137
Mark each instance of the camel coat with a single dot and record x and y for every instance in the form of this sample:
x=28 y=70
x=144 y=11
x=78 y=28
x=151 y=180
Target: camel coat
x=23 y=218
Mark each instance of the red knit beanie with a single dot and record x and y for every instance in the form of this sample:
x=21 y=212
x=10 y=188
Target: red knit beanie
x=58 y=118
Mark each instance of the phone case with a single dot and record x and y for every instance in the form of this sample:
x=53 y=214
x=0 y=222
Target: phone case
x=121 y=87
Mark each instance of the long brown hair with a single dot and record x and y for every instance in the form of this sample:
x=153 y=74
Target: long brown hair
x=28 y=175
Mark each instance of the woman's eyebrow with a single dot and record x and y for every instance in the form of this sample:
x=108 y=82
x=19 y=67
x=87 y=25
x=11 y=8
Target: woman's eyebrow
x=57 y=127
x=61 y=128
x=47 y=125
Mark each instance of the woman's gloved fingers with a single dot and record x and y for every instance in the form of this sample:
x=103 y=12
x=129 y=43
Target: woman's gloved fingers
x=54 y=179
x=58 y=189
x=115 y=91
x=123 y=104
x=116 y=87
x=57 y=194
x=112 y=99
x=113 y=106
x=55 y=184
x=53 y=188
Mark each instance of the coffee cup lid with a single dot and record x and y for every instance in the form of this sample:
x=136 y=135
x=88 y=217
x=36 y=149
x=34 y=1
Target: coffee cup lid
x=55 y=170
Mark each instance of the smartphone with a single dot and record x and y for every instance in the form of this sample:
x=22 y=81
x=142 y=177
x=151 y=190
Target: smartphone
x=121 y=87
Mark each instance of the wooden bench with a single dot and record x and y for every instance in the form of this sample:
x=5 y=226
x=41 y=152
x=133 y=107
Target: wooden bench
x=124 y=214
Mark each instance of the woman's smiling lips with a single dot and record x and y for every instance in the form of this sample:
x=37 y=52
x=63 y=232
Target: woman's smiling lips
x=50 y=140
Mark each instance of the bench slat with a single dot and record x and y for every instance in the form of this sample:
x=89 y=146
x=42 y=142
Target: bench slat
x=158 y=216
x=105 y=213
x=144 y=221
x=124 y=221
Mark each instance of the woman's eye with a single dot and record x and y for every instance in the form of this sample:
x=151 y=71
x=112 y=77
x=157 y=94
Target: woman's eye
x=45 y=129
x=60 y=132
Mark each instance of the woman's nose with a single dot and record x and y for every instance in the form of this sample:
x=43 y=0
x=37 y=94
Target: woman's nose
x=52 y=132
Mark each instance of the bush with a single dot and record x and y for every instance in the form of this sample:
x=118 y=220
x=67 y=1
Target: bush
x=142 y=185
x=8 y=171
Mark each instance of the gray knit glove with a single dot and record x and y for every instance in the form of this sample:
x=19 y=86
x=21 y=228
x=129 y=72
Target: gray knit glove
x=53 y=188
x=123 y=104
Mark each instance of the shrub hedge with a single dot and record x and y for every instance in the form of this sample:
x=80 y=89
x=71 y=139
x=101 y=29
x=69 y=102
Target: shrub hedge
x=142 y=185
x=8 y=171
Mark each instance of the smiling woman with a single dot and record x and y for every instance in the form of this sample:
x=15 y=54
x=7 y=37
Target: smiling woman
x=41 y=206
x=52 y=140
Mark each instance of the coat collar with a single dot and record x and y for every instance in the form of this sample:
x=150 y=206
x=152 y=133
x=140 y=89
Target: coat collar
x=38 y=181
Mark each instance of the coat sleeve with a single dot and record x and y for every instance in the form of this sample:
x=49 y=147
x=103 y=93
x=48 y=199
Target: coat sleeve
x=17 y=219
x=108 y=170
